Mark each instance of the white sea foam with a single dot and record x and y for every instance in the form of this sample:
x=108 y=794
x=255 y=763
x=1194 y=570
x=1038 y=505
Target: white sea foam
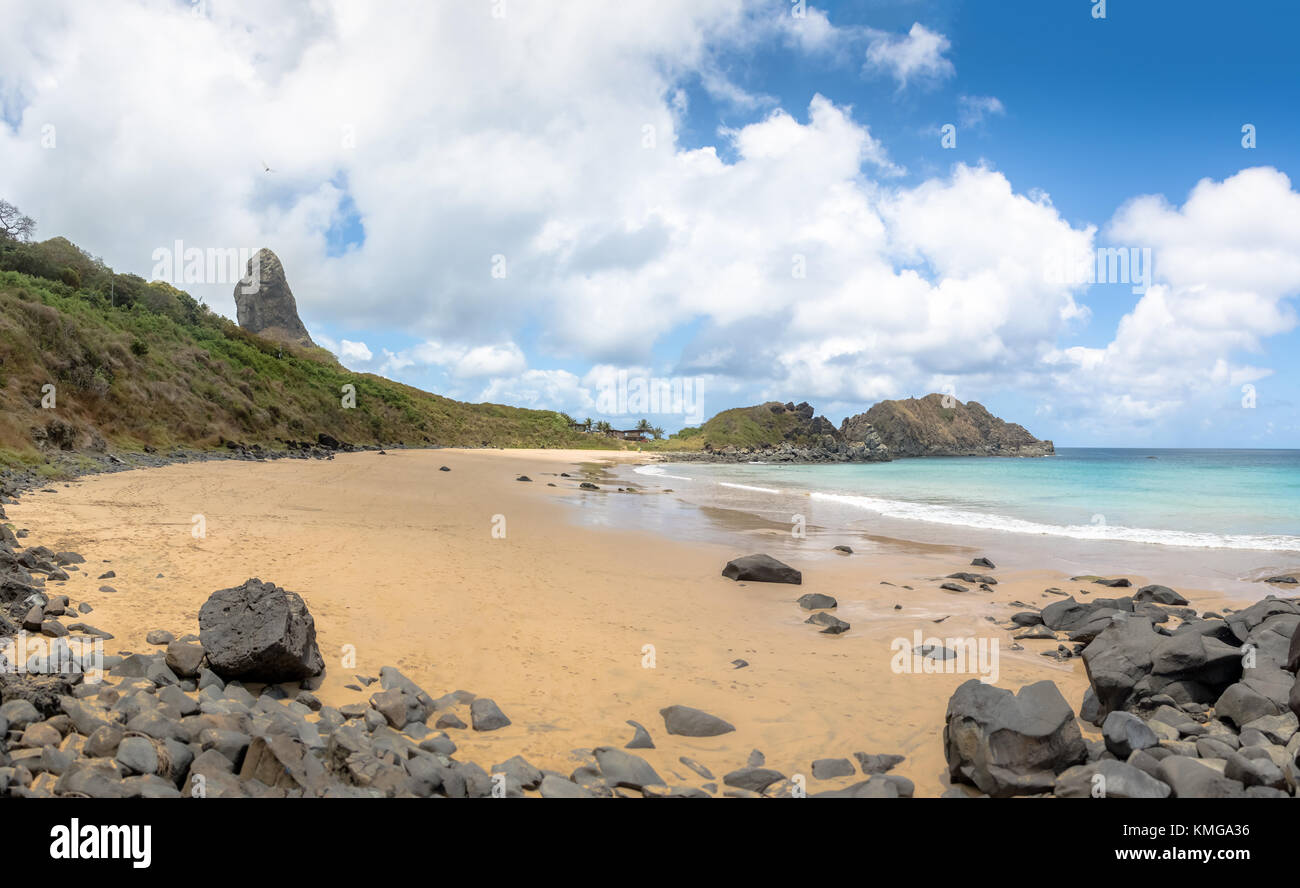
x=936 y=514
x=658 y=473
x=747 y=487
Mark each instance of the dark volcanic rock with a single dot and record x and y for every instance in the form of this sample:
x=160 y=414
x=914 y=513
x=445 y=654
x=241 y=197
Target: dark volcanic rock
x=641 y=737
x=689 y=722
x=828 y=769
x=260 y=632
x=1010 y=744
x=1125 y=733
x=832 y=625
x=817 y=601
x=1109 y=779
x=264 y=304
x=753 y=779
x=485 y=715
x=621 y=768
x=761 y=569
x=1159 y=595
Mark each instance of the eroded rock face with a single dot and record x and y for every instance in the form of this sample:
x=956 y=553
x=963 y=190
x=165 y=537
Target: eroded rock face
x=259 y=632
x=264 y=303
x=939 y=425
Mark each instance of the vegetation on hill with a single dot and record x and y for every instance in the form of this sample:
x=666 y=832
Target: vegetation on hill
x=137 y=364
x=940 y=425
x=762 y=425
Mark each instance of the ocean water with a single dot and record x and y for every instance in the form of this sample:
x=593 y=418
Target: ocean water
x=1203 y=499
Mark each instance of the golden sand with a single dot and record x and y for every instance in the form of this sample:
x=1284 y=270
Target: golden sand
x=571 y=629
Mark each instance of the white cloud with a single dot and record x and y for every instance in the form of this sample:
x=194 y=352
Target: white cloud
x=354 y=351
x=550 y=389
x=460 y=362
x=919 y=56
x=527 y=138
x=1227 y=263
x=973 y=110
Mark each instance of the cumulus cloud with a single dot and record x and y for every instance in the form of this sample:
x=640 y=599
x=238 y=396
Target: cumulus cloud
x=918 y=56
x=523 y=180
x=1227 y=263
x=355 y=351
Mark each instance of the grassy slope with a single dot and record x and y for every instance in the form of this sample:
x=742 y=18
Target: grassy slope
x=165 y=371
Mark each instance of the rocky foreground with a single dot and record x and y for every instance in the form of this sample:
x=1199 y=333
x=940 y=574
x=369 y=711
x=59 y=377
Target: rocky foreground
x=1191 y=705
x=228 y=711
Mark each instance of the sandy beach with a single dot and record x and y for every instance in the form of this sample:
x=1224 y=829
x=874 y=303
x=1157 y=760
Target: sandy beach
x=571 y=626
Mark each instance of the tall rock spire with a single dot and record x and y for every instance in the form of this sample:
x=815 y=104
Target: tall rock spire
x=264 y=303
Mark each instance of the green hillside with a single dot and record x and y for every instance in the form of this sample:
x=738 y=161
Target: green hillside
x=762 y=425
x=138 y=364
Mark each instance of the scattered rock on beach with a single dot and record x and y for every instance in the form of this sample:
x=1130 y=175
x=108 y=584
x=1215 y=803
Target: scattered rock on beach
x=761 y=569
x=1159 y=595
x=184 y=658
x=523 y=478
x=983 y=562
x=877 y=763
x=968 y=577
x=843 y=550
x=817 y=601
x=832 y=625
x=261 y=632
x=621 y=768
x=829 y=769
x=485 y=715
x=687 y=721
x=641 y=737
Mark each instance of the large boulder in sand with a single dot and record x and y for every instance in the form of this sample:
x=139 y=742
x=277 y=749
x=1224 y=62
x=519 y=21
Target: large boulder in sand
x=259 y=632
x=1010 y=744
x=686 y=721
x=761 y=569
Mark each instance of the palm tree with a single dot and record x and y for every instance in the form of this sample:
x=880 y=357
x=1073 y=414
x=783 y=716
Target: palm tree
x=586 y=424
x=658 y=433
x=643 y=425
x=604 y=427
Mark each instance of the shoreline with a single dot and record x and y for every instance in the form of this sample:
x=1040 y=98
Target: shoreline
x=398 y=560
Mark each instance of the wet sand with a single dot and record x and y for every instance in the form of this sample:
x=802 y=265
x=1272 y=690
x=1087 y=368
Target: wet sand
x=583 y=616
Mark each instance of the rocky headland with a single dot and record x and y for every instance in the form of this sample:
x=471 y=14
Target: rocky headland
x=933 y=426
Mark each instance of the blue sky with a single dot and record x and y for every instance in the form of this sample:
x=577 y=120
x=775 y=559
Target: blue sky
x=467 y=137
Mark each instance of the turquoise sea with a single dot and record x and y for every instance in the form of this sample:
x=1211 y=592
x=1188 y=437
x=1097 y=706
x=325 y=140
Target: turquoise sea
x=1204 y=499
